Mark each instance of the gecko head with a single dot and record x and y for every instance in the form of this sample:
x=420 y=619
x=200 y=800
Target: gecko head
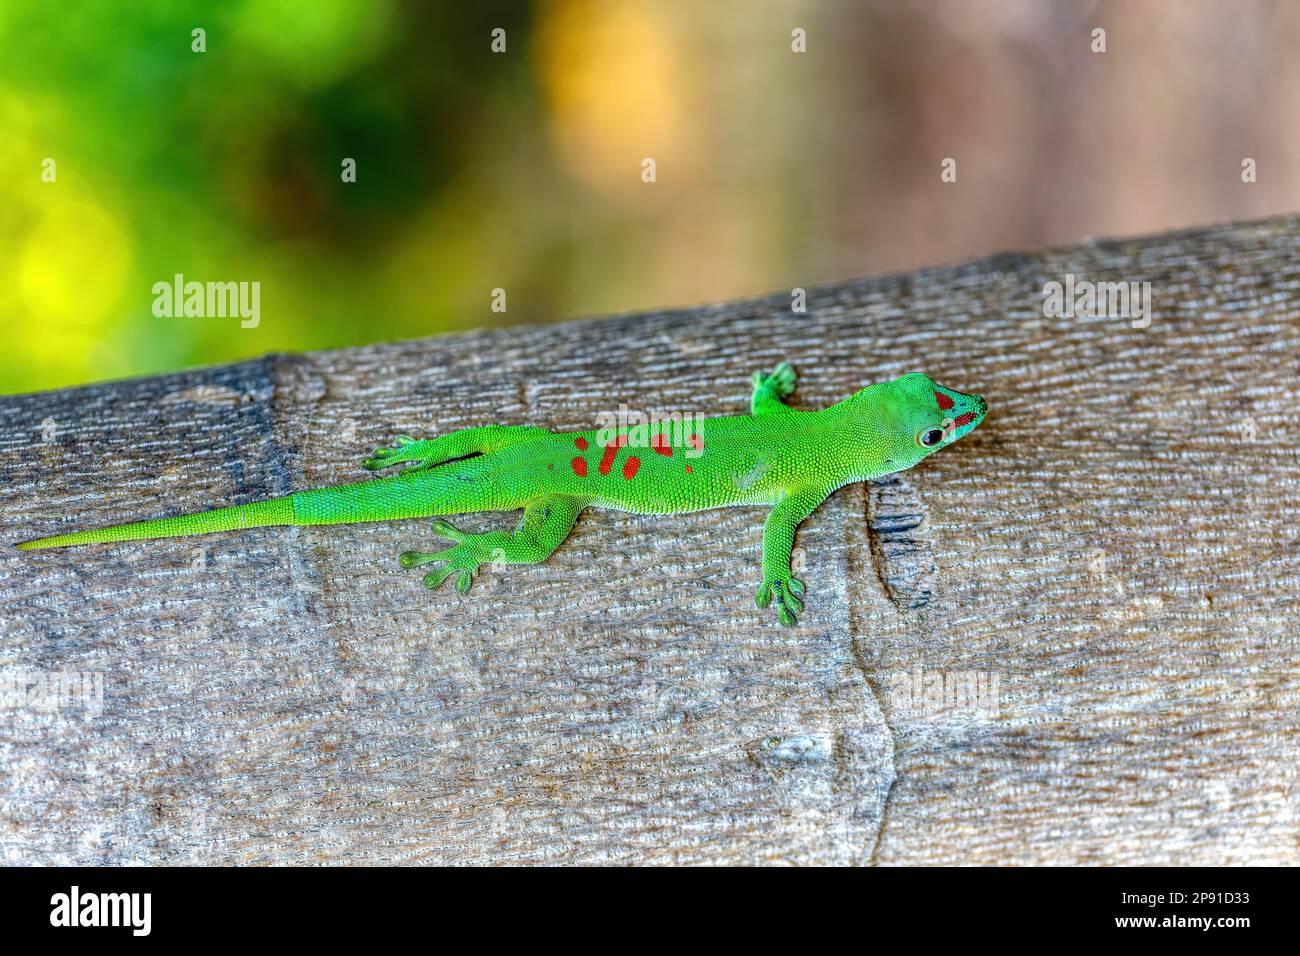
x=925 y=416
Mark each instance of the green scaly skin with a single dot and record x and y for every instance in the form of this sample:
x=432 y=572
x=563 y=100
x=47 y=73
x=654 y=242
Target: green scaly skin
x=778 y=456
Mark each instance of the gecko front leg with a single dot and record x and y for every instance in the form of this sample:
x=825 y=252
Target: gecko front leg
x=770 y=389
x=545 y=524
x=779 y=581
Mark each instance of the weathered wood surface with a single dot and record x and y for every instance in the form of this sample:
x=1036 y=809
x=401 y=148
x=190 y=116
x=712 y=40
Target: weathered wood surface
x=1110 y=546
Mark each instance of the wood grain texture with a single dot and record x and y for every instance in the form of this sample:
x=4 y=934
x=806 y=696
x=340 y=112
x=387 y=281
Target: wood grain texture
x=1109 y=563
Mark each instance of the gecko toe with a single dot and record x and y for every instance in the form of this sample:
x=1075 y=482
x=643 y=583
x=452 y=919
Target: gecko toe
x=413 y=559
x=433 y=580
x=446 y=529
x=783 y=378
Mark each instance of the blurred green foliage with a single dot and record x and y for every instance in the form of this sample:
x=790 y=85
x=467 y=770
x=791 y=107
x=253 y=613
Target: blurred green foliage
x=226 y=165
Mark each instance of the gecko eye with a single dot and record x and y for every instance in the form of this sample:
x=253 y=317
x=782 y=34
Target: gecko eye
x=930 y=437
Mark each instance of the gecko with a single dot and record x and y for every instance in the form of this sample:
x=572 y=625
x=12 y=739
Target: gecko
x=779 y=456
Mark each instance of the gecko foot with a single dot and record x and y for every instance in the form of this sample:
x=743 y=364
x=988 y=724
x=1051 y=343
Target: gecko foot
x=462 y=559
x=787 y=592
x=780 y=380
x=403 y=451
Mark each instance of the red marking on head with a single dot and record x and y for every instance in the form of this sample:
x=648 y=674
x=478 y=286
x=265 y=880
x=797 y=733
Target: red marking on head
x=696 y=442
x=944 y=401
x=581 y=443
x=964 y=419
x=630 y=466
x=579 y=467
x=611 y=450
x=688 y=470
x=660 y=444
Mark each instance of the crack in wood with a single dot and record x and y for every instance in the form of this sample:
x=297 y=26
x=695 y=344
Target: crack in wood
x=900 y=547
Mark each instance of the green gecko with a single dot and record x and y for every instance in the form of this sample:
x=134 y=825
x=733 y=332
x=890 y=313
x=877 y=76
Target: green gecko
x=789 y=459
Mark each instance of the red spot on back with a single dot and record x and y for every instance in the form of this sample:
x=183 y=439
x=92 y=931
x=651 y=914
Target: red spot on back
x=944 y=401
x=611 y=450
x=579 y=467
x=581 y=443
x=660 y=444
x=630 y=466
x=965 y=419
x=696 y=442
x=688 y=470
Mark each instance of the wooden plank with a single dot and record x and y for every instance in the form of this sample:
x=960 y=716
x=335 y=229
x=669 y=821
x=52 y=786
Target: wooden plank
x=1103 y=576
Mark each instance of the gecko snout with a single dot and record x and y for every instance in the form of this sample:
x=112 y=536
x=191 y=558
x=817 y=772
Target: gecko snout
x=970 y=411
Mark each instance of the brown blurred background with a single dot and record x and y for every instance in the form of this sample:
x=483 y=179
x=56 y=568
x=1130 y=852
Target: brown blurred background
x=523 y=170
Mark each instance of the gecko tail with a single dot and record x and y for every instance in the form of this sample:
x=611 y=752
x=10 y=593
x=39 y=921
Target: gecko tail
x=412 y=494
x=257 y=514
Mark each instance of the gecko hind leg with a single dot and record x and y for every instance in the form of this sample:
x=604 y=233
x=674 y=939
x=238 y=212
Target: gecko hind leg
x=449 y=447
x=545 y=524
